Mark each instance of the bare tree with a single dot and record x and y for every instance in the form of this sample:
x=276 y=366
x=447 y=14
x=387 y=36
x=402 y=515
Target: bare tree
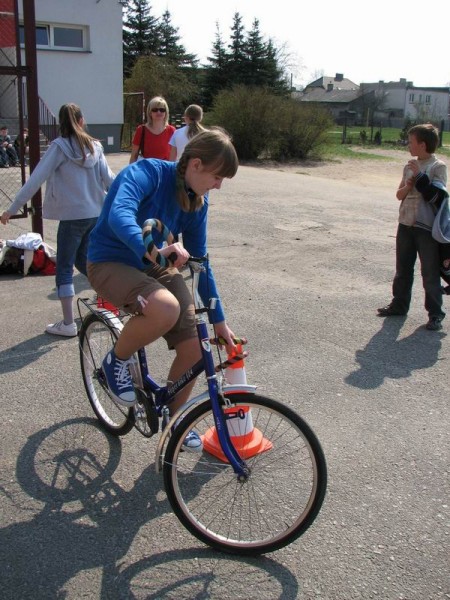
x=289 y=61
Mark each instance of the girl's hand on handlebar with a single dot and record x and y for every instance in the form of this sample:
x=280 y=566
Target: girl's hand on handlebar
x=222 y=330
x=182 y=255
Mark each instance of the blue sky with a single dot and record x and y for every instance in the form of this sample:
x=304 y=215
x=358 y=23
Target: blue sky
x=365 y=42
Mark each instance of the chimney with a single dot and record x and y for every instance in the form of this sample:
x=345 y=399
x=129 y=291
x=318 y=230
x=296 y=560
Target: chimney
x=339 y=77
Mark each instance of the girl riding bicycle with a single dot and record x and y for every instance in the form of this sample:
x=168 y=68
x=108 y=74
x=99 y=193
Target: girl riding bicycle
x=121 y=270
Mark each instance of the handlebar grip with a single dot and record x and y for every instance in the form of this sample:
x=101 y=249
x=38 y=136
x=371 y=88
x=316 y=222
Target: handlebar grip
x=147 y=230
x=220 y=341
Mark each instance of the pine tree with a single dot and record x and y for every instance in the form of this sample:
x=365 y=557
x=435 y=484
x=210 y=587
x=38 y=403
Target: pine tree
x=216 y=73
x=247 y=60
x=140 y=32
x=256 y=57
x=170 y=47
x=274 y=74
x=237 y=55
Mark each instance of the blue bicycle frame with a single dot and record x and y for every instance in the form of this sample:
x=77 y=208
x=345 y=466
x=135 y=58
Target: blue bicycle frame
x=164 y=395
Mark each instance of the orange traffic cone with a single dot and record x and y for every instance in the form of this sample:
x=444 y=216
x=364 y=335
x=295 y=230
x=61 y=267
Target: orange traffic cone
x=247 y=439
x=235 y=372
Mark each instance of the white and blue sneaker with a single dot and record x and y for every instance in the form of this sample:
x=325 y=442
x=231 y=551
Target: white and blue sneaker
x=119 y=379
x=192 y=442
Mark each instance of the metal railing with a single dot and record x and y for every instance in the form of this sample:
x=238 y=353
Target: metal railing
x=48 y=124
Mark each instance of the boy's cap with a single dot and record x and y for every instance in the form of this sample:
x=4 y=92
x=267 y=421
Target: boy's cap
x=2 y=128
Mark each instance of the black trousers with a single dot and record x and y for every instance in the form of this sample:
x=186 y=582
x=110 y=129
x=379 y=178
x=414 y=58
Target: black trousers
x=410 y=242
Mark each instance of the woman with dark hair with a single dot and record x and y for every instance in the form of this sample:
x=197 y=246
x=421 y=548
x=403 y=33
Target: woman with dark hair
x=77 y=178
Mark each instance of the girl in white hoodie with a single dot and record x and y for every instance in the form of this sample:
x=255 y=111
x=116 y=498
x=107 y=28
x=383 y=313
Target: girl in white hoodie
x=77 y=178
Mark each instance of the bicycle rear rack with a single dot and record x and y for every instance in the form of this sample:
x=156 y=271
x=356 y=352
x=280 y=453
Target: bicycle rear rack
x=97 y=305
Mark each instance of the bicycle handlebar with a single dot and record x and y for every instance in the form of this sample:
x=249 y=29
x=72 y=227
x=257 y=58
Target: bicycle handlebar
x=220 y=341
x=155 y=255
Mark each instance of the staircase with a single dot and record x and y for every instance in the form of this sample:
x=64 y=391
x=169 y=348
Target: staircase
x=48 y=124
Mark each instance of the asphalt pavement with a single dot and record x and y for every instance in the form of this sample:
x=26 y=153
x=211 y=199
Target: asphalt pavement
x=302 y=262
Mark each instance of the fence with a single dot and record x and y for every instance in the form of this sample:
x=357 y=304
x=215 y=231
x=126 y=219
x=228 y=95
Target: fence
x=13 y=154
x=25 y=116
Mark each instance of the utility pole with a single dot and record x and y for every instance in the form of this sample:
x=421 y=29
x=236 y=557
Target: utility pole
x=29 y=24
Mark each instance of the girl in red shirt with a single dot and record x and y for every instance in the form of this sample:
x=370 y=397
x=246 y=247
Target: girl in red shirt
x=151 y=140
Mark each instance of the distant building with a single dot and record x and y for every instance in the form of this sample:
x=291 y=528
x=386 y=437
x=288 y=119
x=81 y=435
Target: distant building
x=391 y=102
x=337 y=94
x=399 y=100
x=329 y=84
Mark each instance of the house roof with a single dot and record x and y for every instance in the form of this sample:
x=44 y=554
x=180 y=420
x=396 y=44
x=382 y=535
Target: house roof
x=328 y=96
x=338 y=82
x=401 y=84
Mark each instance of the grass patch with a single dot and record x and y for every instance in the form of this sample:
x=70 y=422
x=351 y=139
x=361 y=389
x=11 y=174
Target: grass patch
x=389 y=135
x=355 y=148
x=335 y=151
x=445 y=150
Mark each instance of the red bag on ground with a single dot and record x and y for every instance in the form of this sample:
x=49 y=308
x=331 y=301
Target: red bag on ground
x=42 y=263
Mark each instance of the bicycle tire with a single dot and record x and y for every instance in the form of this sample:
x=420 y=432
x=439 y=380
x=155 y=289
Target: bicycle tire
x=278 y=502
x=97 y=337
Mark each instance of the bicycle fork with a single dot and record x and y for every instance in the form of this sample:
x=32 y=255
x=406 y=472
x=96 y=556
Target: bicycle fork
x=216 y=397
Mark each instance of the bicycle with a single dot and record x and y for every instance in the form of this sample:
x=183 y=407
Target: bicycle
x=261 y=479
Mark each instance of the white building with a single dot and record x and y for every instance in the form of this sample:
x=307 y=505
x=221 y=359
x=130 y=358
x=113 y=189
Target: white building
x=427 y=103
x=399 y=100
x=79 y=59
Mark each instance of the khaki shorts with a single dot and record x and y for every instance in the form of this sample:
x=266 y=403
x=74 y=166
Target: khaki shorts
x=121 y=285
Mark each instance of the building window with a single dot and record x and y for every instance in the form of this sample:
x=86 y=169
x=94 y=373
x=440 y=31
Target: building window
x=42 y=36
x=428 y=99
x=59 y=37
x=68 y=37
x=411 y=98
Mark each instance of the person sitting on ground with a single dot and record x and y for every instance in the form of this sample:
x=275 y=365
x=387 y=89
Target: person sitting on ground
x=21 y=144
x=8 y=154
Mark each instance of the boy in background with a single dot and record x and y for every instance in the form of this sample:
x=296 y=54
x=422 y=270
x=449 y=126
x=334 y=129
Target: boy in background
x=423 y=178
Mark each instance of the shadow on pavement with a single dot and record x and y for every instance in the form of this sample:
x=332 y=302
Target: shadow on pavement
x=88 y=521
x=386 y=357
x=26 y=352
x=204 y=573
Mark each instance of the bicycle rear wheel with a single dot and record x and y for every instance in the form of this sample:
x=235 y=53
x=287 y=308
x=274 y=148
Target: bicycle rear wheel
x=277 y=503
x=97 y=337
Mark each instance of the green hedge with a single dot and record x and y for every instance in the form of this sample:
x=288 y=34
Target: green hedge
x=264 y=125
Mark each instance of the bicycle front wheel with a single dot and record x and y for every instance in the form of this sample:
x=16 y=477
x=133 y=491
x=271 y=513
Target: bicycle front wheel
x=275 y=505
x=97 y=337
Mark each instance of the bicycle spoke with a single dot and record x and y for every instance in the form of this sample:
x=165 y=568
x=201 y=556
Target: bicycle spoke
x=96 y=339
